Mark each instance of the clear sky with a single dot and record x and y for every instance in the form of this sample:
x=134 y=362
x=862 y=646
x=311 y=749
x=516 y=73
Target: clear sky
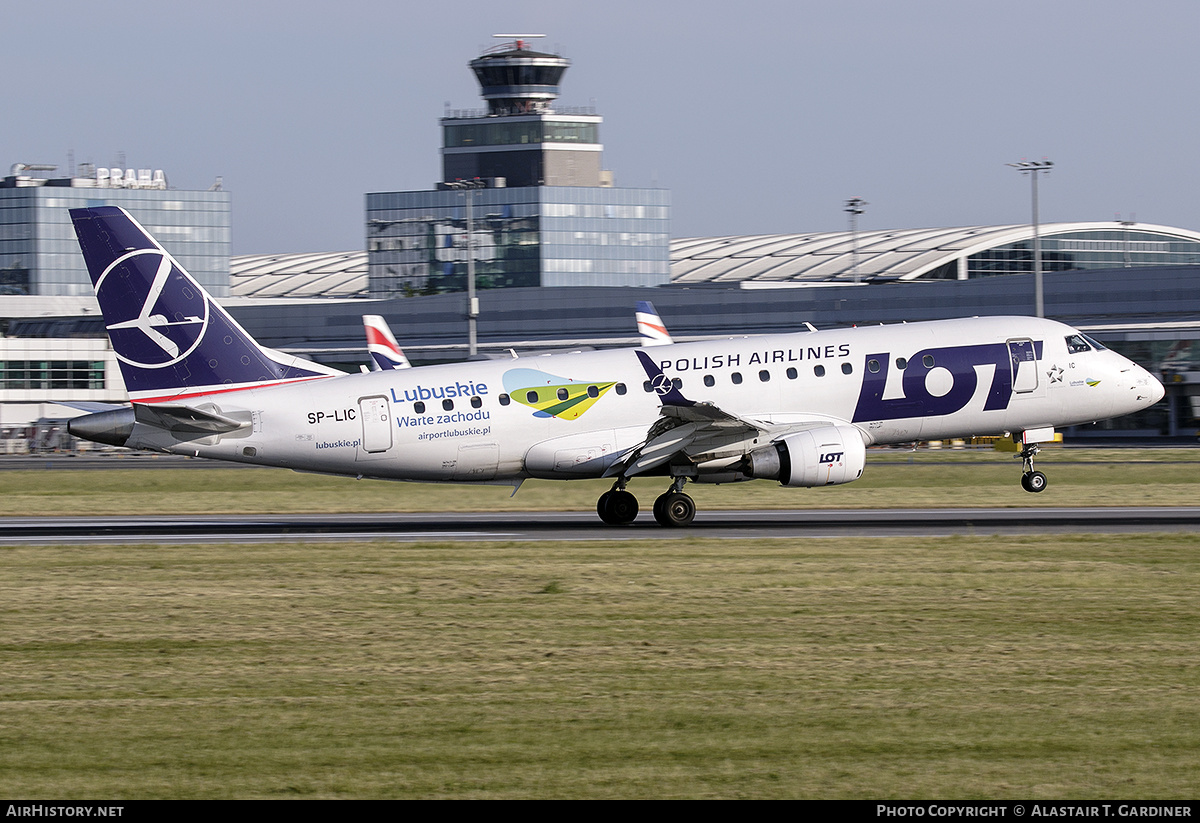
x=761 y=116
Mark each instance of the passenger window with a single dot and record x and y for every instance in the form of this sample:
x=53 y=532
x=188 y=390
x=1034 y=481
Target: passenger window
x=709 y=380
x=819 y=371
x=764 y=376
x=873 y=366
x=901 y=363
x=847 y=368
x=593 y=391
x=419 y=407
x=621 y=388
x=476 y=402
x=505 y=400
x=736 y=377
x=792 y=374
x=448 y=405
x=677 y=383
x=646 y=387
x=531 y=397
x=928 y=361
x=562 y=394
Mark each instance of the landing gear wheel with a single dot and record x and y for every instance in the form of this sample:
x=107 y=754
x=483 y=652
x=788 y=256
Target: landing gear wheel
x=617 y=507
x=674 y=509
x=1033 y=482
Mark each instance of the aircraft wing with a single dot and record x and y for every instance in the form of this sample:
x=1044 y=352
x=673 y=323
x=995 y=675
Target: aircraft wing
x=697 y=431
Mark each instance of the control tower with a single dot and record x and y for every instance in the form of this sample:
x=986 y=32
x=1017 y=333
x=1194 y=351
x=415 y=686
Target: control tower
x=522 y=201
x=522 y=137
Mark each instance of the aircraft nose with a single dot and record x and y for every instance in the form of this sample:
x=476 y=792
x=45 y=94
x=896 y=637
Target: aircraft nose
x=1157 y=390
x=1145 y=388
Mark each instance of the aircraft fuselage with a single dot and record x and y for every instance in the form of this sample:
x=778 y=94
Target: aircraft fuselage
x=572 y=415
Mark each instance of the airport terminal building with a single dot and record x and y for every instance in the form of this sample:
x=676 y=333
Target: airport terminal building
x=52 y=347
x=38 y=251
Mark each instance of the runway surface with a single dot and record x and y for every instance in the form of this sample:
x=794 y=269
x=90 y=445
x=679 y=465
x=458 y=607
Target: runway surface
x=545 y=526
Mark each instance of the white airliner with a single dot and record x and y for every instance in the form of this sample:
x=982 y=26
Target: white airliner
x=797 y=408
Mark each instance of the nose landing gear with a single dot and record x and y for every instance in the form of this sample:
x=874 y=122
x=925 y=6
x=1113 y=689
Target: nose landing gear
x=1031 y=481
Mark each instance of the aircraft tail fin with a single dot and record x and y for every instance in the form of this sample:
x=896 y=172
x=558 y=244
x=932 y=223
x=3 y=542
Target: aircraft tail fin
x=170 y=336
x=381 y=343
x=650 y=326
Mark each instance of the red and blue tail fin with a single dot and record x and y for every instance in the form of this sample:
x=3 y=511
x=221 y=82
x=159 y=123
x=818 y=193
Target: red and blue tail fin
x=171 y=337
x=650 y=326
x=381 y=343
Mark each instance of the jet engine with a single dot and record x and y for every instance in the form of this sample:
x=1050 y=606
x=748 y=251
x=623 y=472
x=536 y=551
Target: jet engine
x=817 y=457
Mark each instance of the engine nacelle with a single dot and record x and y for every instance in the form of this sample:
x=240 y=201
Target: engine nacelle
x=818 y=457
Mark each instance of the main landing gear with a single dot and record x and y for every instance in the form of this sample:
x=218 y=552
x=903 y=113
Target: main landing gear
x=617 y=506
x=672 y=508
x=1031 y=481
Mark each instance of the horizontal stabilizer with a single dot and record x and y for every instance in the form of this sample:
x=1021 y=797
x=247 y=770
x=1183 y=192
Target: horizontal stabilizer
x=186 y=420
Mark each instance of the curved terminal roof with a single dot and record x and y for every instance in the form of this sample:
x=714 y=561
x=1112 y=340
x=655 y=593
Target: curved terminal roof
x=812 y=259
x=899 y=254
x=320 y=274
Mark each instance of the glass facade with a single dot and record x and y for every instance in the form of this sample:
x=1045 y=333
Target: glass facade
x=1100 y=249
x=39 y=253
x=528 y=236
x=540 y=149
x=51 y=374
x=517 y=131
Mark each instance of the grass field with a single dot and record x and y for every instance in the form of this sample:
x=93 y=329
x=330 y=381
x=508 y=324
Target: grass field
x=1001 y=667
x=1100 y=477
x=951 y=668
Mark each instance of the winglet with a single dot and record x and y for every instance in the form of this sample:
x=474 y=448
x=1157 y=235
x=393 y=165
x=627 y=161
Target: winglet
x=662 y=385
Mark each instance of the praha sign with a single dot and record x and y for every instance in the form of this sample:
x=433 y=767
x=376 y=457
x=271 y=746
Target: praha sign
x=131 y=179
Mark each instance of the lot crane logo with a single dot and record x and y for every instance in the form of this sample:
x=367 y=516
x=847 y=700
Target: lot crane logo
x=661 y=384
x=552 y=396
x=172 y=312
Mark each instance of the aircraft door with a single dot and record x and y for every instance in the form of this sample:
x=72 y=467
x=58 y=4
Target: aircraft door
x=376 y=424
x=1024 y=365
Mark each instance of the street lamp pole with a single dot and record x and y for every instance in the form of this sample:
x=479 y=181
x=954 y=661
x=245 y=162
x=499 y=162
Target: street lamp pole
x=854 y=207
x=1128 y=224
x=1033 y=168
x=469 y=187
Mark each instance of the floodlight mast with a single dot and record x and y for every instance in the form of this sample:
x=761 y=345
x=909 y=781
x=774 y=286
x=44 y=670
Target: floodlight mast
x=1033 y=168
x=854 y=207
x=468 y=188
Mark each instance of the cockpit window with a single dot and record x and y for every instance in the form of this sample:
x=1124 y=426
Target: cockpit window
x=1077 y=343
